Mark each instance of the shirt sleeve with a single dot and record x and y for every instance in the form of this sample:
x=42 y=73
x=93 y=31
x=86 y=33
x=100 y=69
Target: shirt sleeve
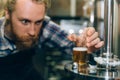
x=54 y=37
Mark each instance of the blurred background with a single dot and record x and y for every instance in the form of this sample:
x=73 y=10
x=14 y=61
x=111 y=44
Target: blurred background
x=82 y=13
x=70 y=15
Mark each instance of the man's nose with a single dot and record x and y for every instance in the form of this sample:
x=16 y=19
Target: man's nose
x=31 y=31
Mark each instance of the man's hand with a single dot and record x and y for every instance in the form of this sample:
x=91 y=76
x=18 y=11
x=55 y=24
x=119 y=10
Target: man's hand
x=93 y=41
x=90 y=37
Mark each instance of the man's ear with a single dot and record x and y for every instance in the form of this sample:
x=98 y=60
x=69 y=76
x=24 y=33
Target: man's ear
x=7 y=14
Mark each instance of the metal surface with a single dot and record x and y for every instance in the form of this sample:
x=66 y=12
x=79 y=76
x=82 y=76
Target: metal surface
x=112 y=29
x=109 y=56
x=97 y=74
x=116 y=27
x=108 y=29
x=111 y=48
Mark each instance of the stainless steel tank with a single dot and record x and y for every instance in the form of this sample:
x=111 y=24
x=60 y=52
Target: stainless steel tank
x=112 y=28
x=110 y=56
x=116 y=27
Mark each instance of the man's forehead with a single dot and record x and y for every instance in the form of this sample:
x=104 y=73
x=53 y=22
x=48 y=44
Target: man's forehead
x=26 y=9
x=33 y=1
x=29 y=2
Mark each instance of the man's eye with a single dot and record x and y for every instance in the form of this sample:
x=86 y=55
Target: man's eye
x=39 y=22
x=25 y=22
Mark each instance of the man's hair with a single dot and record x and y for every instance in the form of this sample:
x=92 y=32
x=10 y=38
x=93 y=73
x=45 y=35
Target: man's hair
x=10 y=4
x=2 y=8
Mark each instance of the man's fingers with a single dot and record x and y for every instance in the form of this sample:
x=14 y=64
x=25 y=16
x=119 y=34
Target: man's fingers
x=72 y=37
x=94 y=42
x=100 y=44
x=97 y=43
x=90 y=31
x=93 y=37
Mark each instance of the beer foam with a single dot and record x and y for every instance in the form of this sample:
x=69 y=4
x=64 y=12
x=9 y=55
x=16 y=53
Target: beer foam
x=80 y=49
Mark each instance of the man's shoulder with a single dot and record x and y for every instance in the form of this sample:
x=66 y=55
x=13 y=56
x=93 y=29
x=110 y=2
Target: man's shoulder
x=49 y=22
x=2 y=41
x=1 y=31
x=1 y=20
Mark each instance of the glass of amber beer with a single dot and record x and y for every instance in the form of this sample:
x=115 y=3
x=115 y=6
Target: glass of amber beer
x=80 y=57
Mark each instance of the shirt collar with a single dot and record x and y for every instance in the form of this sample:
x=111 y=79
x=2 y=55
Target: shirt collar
x=5 y=43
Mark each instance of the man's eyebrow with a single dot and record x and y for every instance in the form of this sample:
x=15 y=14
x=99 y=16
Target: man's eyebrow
x=40 y=20
x=31 y=20
x=24 y=19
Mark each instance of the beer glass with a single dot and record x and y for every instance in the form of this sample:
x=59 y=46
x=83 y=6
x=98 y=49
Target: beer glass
x=80 y=57
x=80 y=52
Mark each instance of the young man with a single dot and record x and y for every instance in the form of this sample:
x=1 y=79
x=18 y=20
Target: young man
x=25 y=29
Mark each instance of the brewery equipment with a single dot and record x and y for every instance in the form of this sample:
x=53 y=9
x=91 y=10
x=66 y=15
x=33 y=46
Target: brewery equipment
x=109 y=62
x=109 y=59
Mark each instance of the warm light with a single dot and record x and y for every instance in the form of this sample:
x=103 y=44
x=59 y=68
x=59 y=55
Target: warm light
x=71 y=31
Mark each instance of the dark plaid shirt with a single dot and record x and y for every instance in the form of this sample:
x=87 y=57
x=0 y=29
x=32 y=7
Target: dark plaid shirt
x=51 y=36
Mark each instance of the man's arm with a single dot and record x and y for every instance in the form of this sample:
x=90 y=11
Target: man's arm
x=54 y=37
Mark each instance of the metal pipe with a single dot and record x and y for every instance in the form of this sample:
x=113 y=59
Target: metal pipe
x=116 y=30
x=108 y=15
